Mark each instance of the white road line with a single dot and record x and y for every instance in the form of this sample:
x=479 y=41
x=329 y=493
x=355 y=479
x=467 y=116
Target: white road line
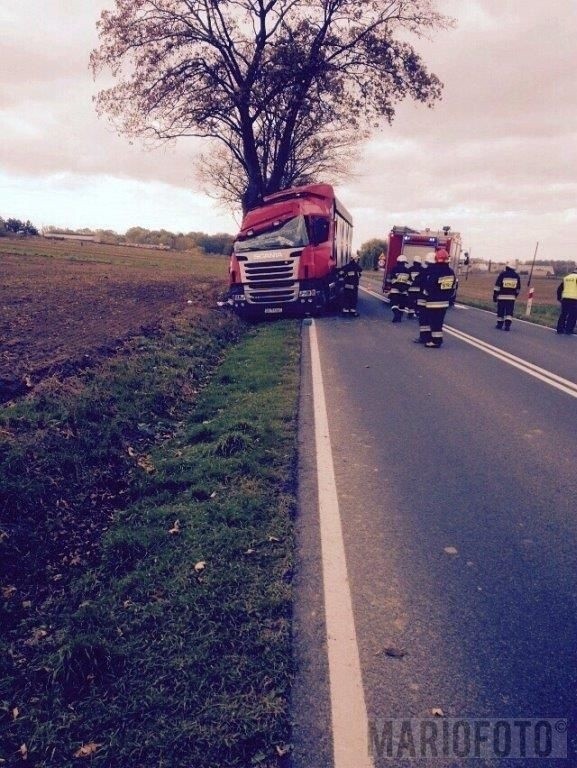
x=564 y=385
x=348 y=708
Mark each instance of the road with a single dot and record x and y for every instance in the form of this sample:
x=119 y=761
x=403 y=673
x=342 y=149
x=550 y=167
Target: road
x=455 y=476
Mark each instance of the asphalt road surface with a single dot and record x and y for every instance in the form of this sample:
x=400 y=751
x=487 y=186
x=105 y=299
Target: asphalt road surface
x=456 y=479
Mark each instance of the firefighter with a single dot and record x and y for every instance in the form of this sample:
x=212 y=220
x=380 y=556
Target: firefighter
x=414 y=289
x=398 y=281
x=439 y=285
x=350 y=275
x=421 y=309
x=567 y=295
x=507 y=288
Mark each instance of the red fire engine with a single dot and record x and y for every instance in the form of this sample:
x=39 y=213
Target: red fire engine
x=412 y=242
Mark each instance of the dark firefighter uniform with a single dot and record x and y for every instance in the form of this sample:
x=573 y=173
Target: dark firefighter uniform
x=507 y=288
x=438 y=288
x=350 y=275
x=398 y=281
x=414 y=289
x=567 y=295
x=421 y=309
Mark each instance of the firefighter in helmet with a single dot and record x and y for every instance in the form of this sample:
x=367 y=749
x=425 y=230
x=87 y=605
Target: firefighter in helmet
x=398 y=281
x=507 y=288
x=439 y=286
x=350 y=275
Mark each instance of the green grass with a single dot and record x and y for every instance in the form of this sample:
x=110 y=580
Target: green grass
x=146 y=523
x=541 y=314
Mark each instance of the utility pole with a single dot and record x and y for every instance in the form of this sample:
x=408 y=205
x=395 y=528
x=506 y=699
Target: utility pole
x=531 y=290
x=532 y=265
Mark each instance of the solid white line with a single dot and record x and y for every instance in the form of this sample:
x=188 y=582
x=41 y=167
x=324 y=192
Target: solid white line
x=348 y=708
x=564 y=385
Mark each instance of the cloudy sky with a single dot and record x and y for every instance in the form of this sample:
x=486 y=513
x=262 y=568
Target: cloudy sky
x=495 y=160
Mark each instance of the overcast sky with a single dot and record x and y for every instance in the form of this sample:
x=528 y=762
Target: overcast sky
x=495 y=160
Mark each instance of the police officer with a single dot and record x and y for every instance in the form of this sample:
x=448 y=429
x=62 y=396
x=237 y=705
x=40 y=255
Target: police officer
x=414 y=289
x=398 y=281
x=506 y=290
x=350 y=274
x=439 y=286
x=421 y=309
x=567 y=295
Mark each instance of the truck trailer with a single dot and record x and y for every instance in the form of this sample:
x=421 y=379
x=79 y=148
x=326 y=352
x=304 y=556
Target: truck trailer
x=285 y=258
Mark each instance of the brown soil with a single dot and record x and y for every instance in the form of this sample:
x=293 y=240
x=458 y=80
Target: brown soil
x=59 y=316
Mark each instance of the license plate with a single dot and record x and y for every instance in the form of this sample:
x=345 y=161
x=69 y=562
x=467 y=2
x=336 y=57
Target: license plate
x=272 y=310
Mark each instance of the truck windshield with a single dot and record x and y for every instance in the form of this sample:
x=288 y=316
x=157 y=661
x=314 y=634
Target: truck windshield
x=288 y=234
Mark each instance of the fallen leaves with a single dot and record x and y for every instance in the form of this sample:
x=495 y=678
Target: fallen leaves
x=36 y=636
x=87 y=750
x=142 y=460
x=145 y=463
x=176 y=528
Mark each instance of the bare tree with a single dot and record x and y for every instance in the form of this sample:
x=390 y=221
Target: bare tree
x=287 y=88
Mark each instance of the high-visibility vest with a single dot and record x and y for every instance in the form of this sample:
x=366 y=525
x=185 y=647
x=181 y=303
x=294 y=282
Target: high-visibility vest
x=570 y=286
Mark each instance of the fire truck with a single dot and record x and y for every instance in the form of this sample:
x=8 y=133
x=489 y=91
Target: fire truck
x=412 y=242
x=285 y=258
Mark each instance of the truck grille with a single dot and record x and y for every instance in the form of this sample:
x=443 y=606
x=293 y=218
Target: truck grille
x=271 y=281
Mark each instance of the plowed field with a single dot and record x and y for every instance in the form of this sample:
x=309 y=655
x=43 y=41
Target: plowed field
x=64 y=306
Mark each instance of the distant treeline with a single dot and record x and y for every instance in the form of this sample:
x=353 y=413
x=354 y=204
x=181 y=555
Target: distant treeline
x=560 y=267
x=16 y=227
x=220 y=243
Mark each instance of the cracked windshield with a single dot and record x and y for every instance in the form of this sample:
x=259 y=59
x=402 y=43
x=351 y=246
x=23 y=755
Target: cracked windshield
x=292 y=234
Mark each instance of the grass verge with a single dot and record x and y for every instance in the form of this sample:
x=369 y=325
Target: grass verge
x=146 y=539
x=541 y=314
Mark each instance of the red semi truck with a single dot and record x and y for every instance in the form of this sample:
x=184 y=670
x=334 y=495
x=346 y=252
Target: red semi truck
x=412 y=242
x=285 y=258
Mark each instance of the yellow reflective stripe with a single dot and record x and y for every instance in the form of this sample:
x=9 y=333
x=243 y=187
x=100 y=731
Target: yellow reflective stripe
x=437 y=304
x=569 y=287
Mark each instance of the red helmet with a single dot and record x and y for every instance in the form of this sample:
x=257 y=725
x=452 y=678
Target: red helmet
x=441 y=256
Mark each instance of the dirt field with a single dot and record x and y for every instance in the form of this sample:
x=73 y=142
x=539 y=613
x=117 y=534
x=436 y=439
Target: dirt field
x=64 y=306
